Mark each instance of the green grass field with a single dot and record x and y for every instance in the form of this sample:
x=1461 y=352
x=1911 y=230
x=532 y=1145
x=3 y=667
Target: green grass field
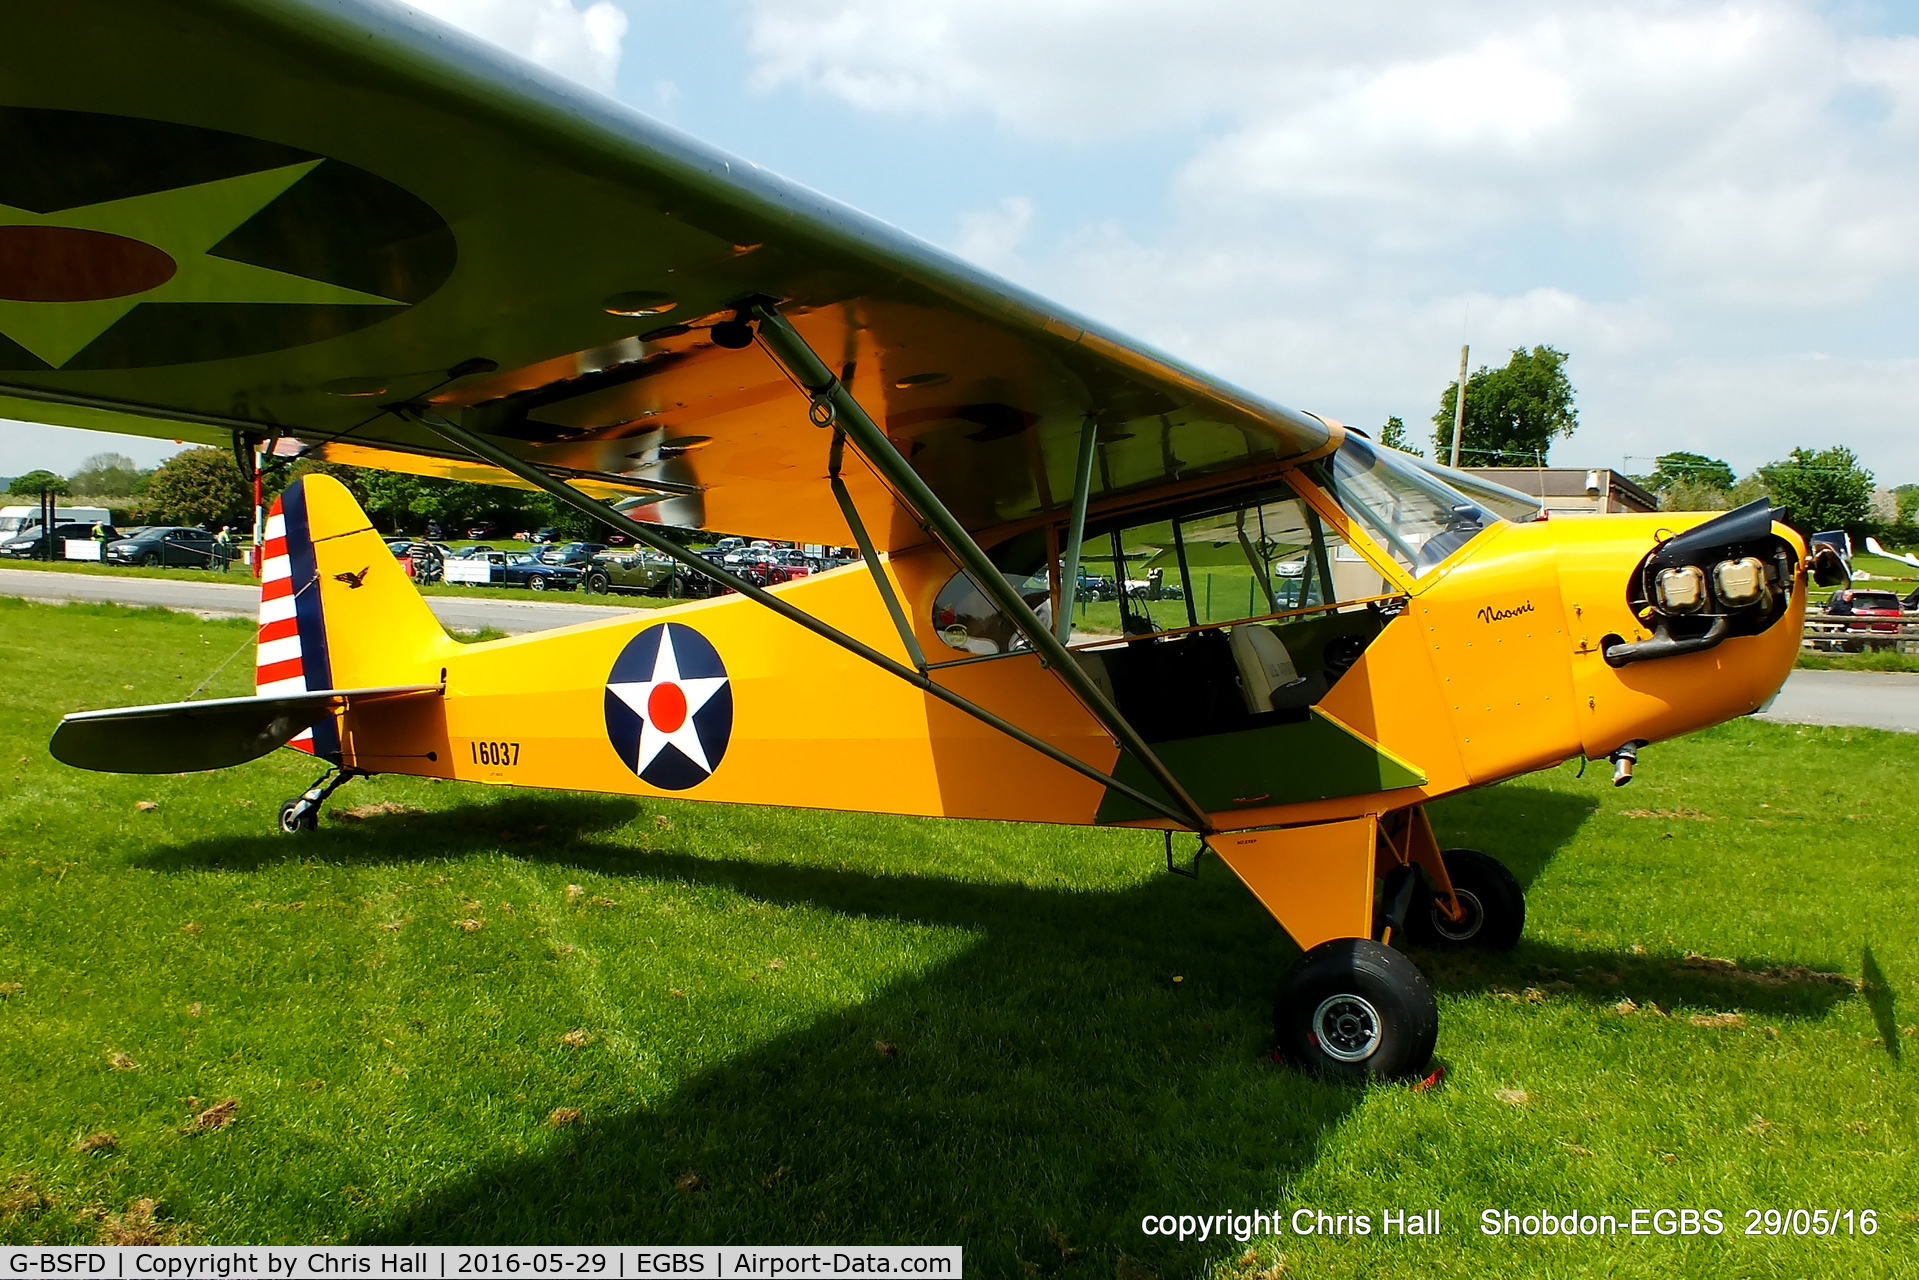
x=457 y=1014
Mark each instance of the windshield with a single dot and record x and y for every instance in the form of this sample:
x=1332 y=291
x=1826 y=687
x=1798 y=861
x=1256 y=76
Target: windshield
x=1508 y=504
x=1414 y=516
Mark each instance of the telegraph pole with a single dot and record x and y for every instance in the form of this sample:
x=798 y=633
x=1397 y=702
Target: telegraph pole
x=1459 y=401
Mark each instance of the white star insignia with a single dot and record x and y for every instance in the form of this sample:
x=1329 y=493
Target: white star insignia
x=641 y=696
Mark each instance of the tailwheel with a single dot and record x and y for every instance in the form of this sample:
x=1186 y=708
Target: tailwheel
x=298 y=815
x=1493 y=902
x=302 y=812
x=1353 y=1007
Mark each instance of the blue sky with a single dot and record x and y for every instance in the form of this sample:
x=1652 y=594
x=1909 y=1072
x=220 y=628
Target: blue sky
x=1714 y=207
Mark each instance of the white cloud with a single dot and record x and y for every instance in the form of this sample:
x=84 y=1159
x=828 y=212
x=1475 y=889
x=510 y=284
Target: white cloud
x=992 y=237
x=582 y=44
x=1688 y=195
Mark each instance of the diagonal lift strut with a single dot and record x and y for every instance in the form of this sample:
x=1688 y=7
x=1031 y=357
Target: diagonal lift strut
x=799 y=359
x=651 y=537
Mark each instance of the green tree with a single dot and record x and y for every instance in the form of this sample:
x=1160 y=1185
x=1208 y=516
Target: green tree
x=1689 y=495
x=35 y=483
x=106 y=475
x=1751 y=488
x=1823 y=489
x=1908 y=496
x=1393 y=436
x=354 y=478
x=199 y=486
x=1694 y=469
x=1512 y=414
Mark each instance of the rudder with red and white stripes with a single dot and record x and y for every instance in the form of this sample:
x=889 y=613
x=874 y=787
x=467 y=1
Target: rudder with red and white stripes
x=291 y=656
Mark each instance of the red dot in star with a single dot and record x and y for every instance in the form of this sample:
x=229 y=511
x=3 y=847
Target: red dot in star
x=666 y=707
x=69 y=264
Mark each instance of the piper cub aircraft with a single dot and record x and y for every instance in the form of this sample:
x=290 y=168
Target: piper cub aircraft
x=336 y=230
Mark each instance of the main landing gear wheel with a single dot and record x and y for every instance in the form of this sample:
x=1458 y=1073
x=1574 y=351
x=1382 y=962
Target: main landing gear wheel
x=296 y=815
x=1495 y=906
x=1352 y=1007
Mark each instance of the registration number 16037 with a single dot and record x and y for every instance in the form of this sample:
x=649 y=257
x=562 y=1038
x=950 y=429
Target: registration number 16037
x=496 y=753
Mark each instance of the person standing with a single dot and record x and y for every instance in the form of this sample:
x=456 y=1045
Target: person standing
x=425 y=559
x=223 y=546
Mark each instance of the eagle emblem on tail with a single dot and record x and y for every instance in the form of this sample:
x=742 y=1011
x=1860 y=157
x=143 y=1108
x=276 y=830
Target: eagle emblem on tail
x=354 y=581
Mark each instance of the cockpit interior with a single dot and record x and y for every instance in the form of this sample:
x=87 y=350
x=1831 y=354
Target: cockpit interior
x=1234 y=611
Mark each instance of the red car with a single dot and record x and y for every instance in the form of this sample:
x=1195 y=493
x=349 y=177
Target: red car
x=1865 y=604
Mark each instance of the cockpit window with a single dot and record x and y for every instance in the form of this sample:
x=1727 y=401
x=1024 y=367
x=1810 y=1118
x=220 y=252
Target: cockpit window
x=1414 y=516
x=967 y=621
x=1258 y=554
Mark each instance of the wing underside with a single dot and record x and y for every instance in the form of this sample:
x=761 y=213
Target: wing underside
x=295 y=219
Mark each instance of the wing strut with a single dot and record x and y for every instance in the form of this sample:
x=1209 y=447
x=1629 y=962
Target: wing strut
x=834 y=404
x=1076 y=531
x=865 y=543
x=650 y=537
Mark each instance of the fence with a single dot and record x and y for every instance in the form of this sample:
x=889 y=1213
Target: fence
x=1847 y=633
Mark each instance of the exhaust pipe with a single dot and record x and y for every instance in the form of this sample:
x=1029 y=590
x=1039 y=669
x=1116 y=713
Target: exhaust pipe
x=1623 y=759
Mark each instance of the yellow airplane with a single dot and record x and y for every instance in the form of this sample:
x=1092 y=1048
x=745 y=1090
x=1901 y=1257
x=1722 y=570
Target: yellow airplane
x=1095 y=586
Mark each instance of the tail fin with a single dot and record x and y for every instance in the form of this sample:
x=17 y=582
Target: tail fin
x=336 y=609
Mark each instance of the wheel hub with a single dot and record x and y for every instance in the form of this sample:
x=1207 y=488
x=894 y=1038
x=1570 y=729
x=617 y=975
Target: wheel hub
x=1346 y=1027
x=1464 y=929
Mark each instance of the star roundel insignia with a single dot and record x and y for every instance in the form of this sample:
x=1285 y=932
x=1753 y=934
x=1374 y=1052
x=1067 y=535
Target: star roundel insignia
x=669 y=706
x=130 y=243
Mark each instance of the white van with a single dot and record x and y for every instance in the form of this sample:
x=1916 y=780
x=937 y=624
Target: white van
x=14 y=519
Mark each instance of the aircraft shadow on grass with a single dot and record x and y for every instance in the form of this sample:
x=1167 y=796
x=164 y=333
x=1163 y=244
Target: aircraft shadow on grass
x=1050 y=1085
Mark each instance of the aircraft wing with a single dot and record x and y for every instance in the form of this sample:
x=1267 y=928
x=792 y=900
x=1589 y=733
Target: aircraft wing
x=281 y=217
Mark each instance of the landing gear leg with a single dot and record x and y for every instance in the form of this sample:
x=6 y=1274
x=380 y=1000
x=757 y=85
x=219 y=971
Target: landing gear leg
x=302 y=813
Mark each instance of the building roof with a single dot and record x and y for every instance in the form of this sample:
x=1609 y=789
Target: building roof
x=1548 y=483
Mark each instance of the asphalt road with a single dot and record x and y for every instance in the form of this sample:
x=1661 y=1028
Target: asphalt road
x=1872 y=699
x=238 y=598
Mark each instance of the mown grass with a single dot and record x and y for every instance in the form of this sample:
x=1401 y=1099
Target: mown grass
x=1871 y=660
x=819 y=1027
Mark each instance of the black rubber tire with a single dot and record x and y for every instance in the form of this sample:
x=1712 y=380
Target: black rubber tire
x=597 y=584
x=1495 y=906
x=149 y=560
x=536 y=583
x=1352 y=1007
x=292 y=825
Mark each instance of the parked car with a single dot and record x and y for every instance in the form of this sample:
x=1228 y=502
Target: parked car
x=515 y=569
x=548 y=534
x=1093 y=586
x=30 y=542
x=167 y=545
x=1911 y=602
x=480 y=530
x=573 y=554
x=1142 y=589
x=1849 y=602
x=638 y=572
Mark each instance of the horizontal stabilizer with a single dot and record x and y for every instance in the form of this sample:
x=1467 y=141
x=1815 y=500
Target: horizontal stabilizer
x=187 y=737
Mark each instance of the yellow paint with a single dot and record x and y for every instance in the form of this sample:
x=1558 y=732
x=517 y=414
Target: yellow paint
x=1492 y=669
x=1317 y=881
